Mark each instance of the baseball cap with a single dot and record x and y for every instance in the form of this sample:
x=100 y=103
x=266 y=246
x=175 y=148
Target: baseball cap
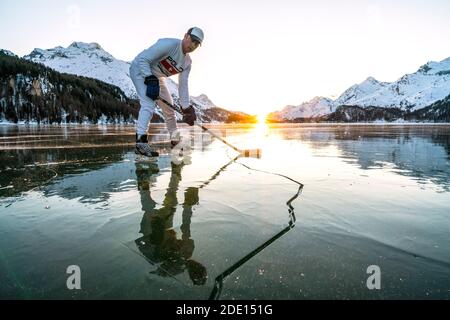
x=196 y=34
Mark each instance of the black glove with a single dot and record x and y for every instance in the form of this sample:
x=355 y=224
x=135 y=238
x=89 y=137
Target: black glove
x=189 y=115
x=152 y=83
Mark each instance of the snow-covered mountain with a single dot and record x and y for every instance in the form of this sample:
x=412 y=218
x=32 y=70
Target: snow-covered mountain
x=90 y=60
x=364 y=89
x=317 y=107
x=410 y=93
x=7 y=53
x=87 y=60
x=203 y=101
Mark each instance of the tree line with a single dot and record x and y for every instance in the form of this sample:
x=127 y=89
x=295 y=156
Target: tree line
x=33 y=92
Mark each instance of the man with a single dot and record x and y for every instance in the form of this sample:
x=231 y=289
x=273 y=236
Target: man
x=149 y=70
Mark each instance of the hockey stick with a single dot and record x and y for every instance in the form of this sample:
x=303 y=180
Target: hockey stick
x=255 y=153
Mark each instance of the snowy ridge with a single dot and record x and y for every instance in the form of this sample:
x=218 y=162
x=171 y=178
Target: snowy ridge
x=7 y=53
x=87 y=60
x=412 y=92
x=365 y=88
x=317 y=107
x=204 y=102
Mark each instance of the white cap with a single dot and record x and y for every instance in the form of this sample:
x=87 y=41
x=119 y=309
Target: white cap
x=196 y=34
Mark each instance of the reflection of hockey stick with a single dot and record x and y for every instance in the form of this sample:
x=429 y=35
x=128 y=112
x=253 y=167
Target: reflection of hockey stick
x=256 y=153
x=218 y=284
x=215 y=175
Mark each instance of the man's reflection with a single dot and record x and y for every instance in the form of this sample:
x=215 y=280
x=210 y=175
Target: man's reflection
x=159 y=242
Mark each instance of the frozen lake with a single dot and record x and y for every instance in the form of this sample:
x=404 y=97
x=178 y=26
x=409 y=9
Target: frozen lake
x=305 y=221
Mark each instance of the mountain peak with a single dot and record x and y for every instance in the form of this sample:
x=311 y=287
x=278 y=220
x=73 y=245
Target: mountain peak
x=76 y=49
x=446 y=61
x=87 y=60
x=84 y=45
x=316 y=107
x=318 y=99
x=7 y=53
x=371 y=80
x=204 y=102
x=433 y=67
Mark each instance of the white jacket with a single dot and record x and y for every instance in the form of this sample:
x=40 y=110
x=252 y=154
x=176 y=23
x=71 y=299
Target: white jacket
x=164 y=59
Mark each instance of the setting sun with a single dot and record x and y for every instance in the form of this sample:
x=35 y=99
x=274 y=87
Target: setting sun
x=262 y=117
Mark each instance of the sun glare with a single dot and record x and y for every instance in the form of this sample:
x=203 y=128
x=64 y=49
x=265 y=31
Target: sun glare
x=262 y=118
x=261 y=128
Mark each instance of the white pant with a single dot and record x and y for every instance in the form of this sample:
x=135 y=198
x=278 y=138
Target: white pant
x=148 y=105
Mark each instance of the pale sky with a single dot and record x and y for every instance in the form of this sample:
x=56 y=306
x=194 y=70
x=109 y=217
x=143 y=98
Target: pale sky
x=258 y=55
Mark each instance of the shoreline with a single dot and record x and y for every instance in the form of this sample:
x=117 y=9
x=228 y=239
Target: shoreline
x=34 y=124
